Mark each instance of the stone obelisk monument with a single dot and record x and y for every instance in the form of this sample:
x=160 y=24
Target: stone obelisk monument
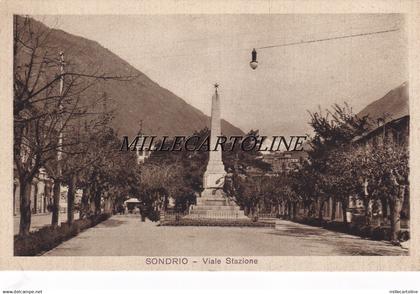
x=213 y=203
x=214 y=177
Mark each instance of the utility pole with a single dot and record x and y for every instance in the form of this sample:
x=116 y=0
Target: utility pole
x=141 y=127
x=58 y=179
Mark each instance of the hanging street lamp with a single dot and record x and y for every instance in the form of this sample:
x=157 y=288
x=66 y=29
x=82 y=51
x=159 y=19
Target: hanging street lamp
x=254 y=63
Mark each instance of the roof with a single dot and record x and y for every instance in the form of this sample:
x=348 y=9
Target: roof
x=388 y=110
x=132 y=200
x=392 y=122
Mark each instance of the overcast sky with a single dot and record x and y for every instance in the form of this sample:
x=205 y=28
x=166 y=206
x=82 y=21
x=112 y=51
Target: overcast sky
x=188 y=53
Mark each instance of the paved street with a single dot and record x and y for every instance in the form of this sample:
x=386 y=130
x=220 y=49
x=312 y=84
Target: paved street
x=40 y=220
x=127 y=236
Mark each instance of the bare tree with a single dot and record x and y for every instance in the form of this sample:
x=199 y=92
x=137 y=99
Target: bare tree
x=42 y=110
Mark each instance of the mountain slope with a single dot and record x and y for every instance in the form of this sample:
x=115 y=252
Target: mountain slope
x=139 y=99
x=392 y=106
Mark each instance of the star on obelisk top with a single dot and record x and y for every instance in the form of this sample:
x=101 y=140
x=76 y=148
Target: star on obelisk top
x=216 y=86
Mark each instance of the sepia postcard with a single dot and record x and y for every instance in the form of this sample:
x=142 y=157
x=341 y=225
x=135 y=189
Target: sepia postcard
x=246 y=135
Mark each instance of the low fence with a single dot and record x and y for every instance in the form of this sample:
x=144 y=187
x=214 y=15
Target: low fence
x=215 y=218
x=171 y=216
x=268 y=215
x=175 y=216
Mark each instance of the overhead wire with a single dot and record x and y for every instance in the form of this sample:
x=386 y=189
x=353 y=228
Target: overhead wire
x=285 y=44
x=327 y=39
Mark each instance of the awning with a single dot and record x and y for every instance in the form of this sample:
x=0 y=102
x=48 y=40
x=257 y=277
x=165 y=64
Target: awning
x=132 y=200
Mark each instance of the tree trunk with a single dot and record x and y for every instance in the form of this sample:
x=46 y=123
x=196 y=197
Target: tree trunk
x=294 y=210
x=25 y=207
x=396 y=206
x=367 y=211
x=285 y=211
x=108 y=204
x=333 y=208
x=166 y=201
x=254 y=212
x=56 y=202
x=258 y=210
x=320 y=211
x=306 y=209
x=35 y=211
x=84 y=203
x=277 y=209
x=97 y=201
x=313 y=209
x=384 y=208
x=344 y=211
x=246 y=210
x=47 y=194
x=289 y=210
x=14 y=197
x=70 y=199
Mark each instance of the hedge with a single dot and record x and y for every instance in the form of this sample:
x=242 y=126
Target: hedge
x=47 y=237
x=375 y=233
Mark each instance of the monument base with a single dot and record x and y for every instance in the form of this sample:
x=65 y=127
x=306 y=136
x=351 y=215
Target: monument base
x=213 y=204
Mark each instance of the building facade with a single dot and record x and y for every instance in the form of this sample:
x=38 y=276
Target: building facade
x=41 y=194
x=395 y=132
x=286 y=161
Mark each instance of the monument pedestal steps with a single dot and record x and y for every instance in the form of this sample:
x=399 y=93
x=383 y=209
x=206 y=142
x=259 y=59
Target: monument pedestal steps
x=213 y=204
